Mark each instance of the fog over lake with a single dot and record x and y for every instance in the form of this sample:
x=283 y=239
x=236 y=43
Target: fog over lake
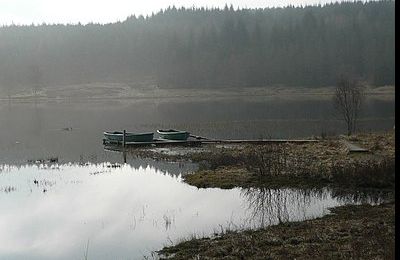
x=217 y=83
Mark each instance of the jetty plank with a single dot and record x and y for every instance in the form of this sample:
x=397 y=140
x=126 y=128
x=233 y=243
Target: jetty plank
x=162 y=142
x=353 y=148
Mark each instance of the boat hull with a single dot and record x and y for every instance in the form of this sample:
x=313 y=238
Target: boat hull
x=129 y=137
x=173 y=135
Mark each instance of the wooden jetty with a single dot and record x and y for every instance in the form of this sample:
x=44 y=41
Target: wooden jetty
x=353 y=148
x=196 y=142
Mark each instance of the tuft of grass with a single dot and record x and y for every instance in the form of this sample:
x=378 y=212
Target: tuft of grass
x=86 y=250
x=365 y=173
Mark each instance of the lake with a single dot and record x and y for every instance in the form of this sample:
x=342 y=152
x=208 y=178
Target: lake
x=88 y=199
x=31 y=130
x=124 y=212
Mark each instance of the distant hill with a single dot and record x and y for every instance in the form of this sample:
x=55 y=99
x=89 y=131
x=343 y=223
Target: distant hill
x=191 y=48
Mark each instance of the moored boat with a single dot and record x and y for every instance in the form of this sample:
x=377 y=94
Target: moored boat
x=172 y=134
x=129 y=137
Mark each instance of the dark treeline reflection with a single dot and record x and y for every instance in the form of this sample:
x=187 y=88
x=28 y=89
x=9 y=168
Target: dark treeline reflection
x=173 y=169
x=208 y=47
x=273 y=206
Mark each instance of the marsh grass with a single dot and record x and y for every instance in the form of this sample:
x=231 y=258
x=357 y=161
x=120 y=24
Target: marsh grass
x=86 y=253
x=365 y=173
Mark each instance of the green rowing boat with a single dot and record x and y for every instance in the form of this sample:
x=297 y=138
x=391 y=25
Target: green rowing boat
x=172 y=134
x=129 y=137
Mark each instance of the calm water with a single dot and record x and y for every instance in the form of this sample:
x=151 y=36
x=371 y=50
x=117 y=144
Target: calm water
x=52 y=211
x=34 y=130
x=90 y=199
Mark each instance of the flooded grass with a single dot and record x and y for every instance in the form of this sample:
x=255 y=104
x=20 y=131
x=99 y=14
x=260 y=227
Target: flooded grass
x=7 y=189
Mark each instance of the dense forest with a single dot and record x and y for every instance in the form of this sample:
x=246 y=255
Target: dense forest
x=199 y=47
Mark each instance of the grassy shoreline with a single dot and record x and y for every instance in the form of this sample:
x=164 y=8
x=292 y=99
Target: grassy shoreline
x=300 y=165
x=289 y=165
x=361 y=231
x=353 y=231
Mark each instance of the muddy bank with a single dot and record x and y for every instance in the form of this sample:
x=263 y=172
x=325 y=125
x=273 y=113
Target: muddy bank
x=361 y=231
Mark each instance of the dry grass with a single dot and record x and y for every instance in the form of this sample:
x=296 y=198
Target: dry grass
x=313 y=164
x=352 y=232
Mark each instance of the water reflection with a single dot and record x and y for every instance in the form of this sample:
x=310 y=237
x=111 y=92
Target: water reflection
x=362 y=196
x=51 y=211
x=274 y=206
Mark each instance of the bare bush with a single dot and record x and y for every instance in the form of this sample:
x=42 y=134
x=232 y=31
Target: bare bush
x=267 y=160
x=348 y=100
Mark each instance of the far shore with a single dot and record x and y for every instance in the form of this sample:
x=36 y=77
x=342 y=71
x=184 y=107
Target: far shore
x=110 y=91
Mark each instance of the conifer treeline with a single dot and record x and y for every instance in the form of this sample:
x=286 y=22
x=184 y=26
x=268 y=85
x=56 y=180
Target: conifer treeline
x=297 y=46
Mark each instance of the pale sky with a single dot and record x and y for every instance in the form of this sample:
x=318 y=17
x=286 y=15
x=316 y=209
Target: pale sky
x=105 y=11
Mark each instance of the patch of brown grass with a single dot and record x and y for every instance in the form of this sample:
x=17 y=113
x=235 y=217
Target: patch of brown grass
x=293 y=165
x=352 y=232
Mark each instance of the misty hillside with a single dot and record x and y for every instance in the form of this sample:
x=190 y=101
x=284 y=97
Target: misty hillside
x=293 y=46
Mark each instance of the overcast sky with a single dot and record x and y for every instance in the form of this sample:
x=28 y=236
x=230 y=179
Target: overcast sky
x=105 y=11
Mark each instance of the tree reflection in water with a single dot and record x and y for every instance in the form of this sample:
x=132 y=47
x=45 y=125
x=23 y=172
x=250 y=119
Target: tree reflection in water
x=363 y=196
x=267 y=207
